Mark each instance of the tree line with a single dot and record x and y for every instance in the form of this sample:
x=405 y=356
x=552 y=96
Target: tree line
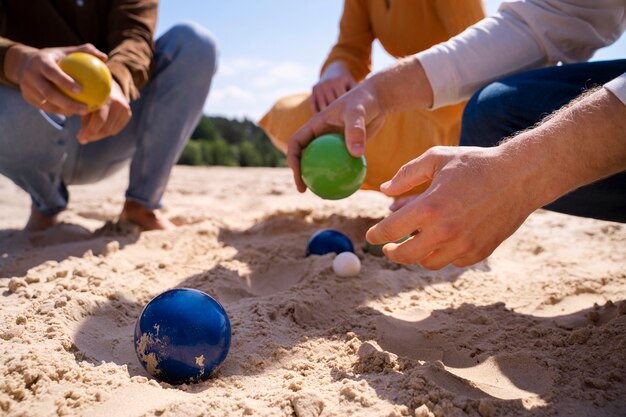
x=230 y=142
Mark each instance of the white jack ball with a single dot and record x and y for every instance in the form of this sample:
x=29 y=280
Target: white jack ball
x=347 y=264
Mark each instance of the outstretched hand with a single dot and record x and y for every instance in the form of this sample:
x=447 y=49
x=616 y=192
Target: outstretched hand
x=357 y=113
x=476 y=200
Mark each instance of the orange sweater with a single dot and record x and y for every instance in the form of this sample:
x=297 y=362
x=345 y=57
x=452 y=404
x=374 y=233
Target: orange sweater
x=403 y=27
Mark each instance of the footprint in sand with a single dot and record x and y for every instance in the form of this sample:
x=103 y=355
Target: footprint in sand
x=505 y=377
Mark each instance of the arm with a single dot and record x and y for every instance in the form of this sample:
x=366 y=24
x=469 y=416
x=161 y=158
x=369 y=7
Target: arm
x=451 y=71
x=130 y=39
x=521 y=36
x=480 y=196
x=131 y=44
x=350 y=58
x=5 y=45
x=354 y=46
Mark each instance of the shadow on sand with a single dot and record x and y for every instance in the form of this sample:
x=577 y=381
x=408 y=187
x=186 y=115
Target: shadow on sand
x=285 y=300
x=21 y=250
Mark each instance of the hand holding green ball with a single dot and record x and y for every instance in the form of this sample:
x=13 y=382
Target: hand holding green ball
x=329 y=170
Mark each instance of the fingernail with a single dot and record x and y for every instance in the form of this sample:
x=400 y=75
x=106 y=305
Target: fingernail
x=76 y=89
x=385 y=185
x=357 y=148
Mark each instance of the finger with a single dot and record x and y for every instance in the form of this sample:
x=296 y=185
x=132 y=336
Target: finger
x=354 y=122
x=40 y=89
x=397 y=225
x=466 y=261
x=89 y=49
x=398 y=203
x=410 y=175
x=85 y=121
x=475 y=254
x=315 y=127
x=51 y=108
x=313 y=101
x=411 y=251
x=94 y=123
x=119 y=120
x=351 y=84
x=328 y=96
x=53 y=73
x=318 y=101
x=339 y=89
x=294 y=151
x=441 y=257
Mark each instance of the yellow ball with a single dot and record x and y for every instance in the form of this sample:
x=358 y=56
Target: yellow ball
x=93 y=76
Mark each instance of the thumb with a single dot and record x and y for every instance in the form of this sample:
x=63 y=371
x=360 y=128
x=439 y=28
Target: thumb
x=354 y=122
x=89 y=49
x=410 y=175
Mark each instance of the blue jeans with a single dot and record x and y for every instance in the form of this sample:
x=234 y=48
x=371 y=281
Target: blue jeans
x=43 y=157
x=518 y=102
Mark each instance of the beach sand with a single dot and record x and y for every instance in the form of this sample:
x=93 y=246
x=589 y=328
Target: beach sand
x=538 y=329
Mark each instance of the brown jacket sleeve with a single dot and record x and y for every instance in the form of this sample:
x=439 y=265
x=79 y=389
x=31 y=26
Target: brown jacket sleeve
x=457 y=16
x=354 y=46
x=5 y=44
x=131 y=43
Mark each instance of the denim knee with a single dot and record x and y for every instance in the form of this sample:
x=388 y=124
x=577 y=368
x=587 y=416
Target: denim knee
x=486 y=116
x=196 y=45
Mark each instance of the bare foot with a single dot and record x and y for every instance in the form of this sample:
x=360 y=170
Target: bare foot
x=145 y=218
x=400 y=202
x=38 y=221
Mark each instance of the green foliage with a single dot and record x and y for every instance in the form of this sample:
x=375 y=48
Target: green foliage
x=221 y=141
x=224 y=154
x=205 y=130
x=249 y=156
x=191 y=155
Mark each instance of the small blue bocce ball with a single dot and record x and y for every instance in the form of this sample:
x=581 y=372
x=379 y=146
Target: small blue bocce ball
x=328 y=241
x=182 y=335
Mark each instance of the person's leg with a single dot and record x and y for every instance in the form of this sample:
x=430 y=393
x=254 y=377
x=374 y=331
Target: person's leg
x=170 y=108
x=519 y=102
x=163 y=119
x=32 y=154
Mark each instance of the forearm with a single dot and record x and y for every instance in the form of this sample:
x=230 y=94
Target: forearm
x=334 y=69
x=521 y=36
x=5 y=46
x=354 y=45
x=131 y=43
x=401 y=87
x=14 y=60
x=578 y=145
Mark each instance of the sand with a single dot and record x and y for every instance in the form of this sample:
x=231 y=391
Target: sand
x=538 y=329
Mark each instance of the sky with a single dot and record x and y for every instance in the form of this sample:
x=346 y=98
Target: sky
x=272 y=48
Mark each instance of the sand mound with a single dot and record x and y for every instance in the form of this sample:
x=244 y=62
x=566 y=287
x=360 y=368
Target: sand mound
x=539 y=329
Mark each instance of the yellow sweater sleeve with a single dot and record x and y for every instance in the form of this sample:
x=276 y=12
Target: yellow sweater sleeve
x=457 y=16
x=354 y=46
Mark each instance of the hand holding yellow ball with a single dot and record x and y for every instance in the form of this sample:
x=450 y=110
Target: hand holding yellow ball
x=93 y=76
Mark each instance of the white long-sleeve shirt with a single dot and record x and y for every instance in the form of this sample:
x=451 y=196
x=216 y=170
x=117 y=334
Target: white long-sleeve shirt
x=523 y=35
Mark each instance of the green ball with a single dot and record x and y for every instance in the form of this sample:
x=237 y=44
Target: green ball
x=329 y=170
